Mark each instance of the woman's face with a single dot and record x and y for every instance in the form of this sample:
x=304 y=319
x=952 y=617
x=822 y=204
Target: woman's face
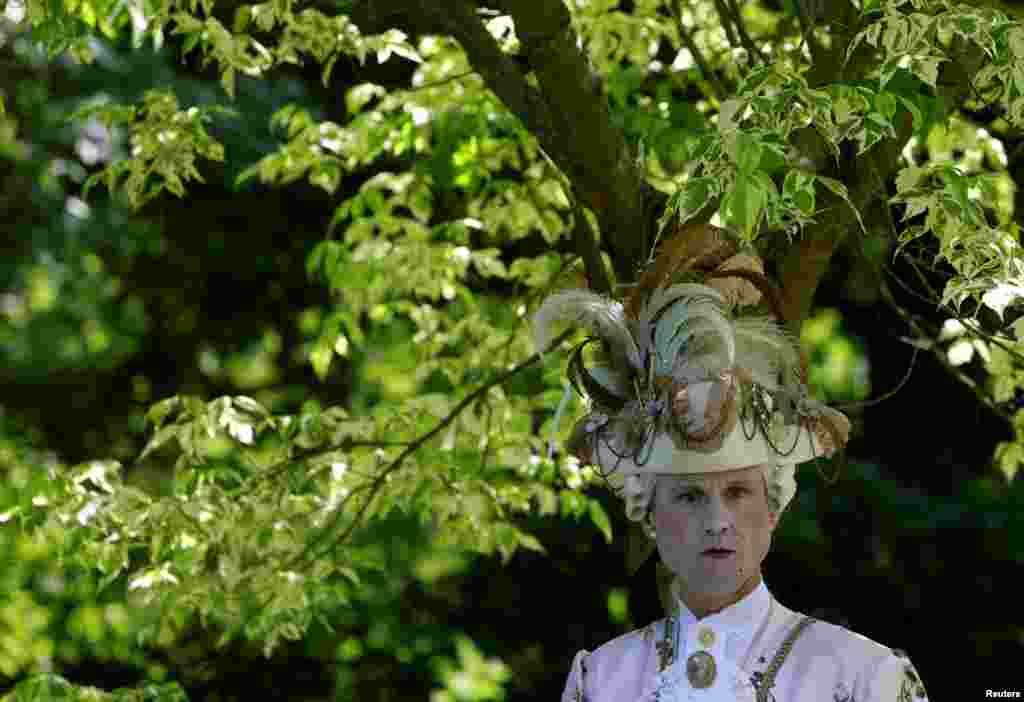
x=727 y=510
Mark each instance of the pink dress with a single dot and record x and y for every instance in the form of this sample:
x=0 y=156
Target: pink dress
x=824 y=662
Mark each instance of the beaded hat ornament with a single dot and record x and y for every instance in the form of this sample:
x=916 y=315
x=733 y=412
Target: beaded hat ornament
x=680 y=381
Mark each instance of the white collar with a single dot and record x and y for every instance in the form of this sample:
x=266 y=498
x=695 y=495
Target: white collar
x=747 y=612
x=738 y=622
x=731 y=635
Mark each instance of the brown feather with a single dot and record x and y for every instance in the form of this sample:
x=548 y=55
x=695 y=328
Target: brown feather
x=699 y=247
x=768 y=289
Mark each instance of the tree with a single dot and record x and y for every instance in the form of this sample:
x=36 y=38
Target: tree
x=496 y=145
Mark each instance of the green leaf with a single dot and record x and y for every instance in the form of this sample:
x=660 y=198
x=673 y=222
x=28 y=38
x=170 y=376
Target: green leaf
x=895 y=37
x=530 y=541
x=916 y=113
x=41 y=687
x=161 y=437
x=886 y=73
x=927 y=69
x=1009 y=457
x=320 y=357
x=874 y=128
x=1001 y=296
x=839 y=189
x=406 y=52
x=754 y=79
x=357 y=97
x=227 y=81
x=243 y=15
x=909 y=177
x=706 y=148
x=748 y=152
x=834 y=185
x=885 y=104
x=488 y=264
x=695 y=194
x=326 y=174
x=916 y=205
x=599 y=518
x=744 y=204
x=324 y=258
x=375 y=200
x=798 y=188
x=572 y=503
x=159 y=412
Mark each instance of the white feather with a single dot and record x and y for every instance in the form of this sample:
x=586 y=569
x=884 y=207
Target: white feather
x=663 y=296
x=697 y=325
x=707 y=347
x=766 y=348
x=605 y=317
x=695 y=307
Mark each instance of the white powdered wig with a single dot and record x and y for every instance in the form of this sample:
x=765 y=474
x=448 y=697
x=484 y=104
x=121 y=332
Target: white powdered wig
x=638 y=490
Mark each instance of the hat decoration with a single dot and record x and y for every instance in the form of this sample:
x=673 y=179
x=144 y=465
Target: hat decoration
x=683 y=383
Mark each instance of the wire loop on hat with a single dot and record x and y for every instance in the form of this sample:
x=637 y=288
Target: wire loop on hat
x=762 y=418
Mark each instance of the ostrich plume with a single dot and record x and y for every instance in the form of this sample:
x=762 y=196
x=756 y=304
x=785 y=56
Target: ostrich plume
x=605 y=317
x=673 y=315
x=768 y=349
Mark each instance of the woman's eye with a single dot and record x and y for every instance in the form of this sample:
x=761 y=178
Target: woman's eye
x=739 y=492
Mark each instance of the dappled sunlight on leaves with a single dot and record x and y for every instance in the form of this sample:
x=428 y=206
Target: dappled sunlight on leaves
x=309 y=478
x=837 y=364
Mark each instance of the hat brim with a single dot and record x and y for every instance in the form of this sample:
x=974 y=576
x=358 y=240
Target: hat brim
x=737 y=451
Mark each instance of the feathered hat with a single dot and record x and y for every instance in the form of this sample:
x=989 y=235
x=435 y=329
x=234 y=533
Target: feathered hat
x=682 y=383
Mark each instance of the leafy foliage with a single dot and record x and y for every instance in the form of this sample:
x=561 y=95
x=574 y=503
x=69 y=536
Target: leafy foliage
x=165 y=143
x=272 y=527
x=54 y=687
x=72 y=614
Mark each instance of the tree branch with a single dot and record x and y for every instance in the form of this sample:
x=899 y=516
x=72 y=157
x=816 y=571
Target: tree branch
x=568 y=115
x=723 y=18
x=457 y=19
x=586 y=244
x=584 y=239
x=311 y=548
x=677 y=14
x=807 y=19
x=742 y=29
x=940 y=354
x=597 y=158
x=279 y=468
x=729 y=15
x=865 y=177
